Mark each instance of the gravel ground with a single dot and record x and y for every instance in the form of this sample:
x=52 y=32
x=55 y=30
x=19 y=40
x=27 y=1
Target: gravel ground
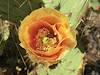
x=89 y=35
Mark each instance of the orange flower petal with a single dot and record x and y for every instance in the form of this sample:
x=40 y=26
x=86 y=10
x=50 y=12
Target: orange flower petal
x=56 y=23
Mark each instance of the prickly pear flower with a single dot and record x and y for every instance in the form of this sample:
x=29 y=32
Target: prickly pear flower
x=46 y=36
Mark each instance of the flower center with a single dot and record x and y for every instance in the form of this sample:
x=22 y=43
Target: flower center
x=46 y=40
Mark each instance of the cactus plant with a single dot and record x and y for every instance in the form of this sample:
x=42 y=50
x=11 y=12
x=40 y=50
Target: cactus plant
x=72 y=62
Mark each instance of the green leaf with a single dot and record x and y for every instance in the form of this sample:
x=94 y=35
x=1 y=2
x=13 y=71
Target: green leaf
x=41 y=70
x=74 y=9
x=51 y=3
x=16 y=10
x=71 y=64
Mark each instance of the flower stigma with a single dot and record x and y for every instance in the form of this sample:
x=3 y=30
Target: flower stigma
x=47 y=41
